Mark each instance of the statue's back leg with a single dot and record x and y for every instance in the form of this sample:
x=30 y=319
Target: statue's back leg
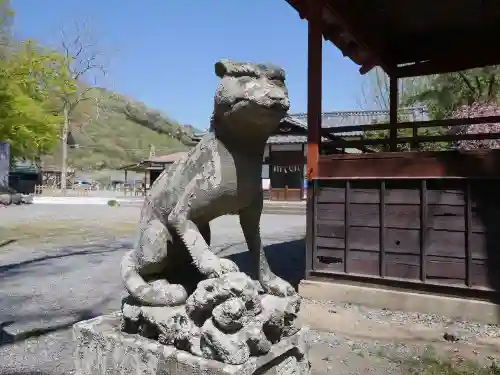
x=149 y=258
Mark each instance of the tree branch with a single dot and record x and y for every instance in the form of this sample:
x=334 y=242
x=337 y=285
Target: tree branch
x=467 y=82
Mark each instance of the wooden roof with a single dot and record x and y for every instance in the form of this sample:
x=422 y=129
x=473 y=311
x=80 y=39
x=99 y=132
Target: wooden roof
x=155 y=163
x=170 y=158
x=427 y=36
x=293 y=129
x=362 y=117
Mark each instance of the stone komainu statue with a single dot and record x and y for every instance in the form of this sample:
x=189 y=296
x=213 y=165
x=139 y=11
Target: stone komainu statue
x=220 y=176
x=183 y=295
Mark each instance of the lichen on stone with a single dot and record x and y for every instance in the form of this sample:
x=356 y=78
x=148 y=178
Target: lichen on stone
x=227 y=319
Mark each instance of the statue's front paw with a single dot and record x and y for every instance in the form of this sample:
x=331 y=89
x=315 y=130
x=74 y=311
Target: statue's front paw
x=224 y=266
x=214 y=271
x=228 y=266
x=278 y=287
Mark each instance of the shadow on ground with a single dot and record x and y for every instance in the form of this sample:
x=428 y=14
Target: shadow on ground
x=13 y=269
x=18 y=324
x=287 y=260
x=61 y=322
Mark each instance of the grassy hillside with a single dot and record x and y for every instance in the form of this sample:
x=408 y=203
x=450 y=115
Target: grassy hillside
x=122 y=133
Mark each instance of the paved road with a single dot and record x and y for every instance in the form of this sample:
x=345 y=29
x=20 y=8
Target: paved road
x=54 y=287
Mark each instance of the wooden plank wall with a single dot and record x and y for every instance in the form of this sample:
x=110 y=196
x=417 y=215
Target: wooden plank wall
x=441 y=231
x=285 y=194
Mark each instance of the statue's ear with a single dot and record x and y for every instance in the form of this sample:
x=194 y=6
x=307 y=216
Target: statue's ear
x=222 y=67
x=226 y=67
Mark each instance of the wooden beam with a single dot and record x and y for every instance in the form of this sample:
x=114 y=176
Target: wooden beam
x=451 y=45
x=365 y=68
x=445 y=66
x=393 y=112
x=445 y=53
x=361 y=42
x=412 y=124
x=364 y=41
x=416 y=140
x=314 y=85
x=405 y=165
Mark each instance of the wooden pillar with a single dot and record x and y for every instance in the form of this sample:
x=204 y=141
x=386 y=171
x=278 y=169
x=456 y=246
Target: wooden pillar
x=393 y=112
x=314 y=86
x=302 y=148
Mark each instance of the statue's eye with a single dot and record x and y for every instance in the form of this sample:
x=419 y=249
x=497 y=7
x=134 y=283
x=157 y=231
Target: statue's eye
x=244 y=80
x=245 y=74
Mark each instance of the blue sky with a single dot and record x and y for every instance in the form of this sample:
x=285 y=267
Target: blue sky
x=163 y=51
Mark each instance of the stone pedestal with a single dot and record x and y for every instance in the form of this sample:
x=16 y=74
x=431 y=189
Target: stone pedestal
x=102 y=349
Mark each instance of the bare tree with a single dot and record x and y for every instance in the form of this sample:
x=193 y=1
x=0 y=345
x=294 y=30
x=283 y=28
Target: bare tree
x=375 y=96
x=84 y=65
x=375 y=90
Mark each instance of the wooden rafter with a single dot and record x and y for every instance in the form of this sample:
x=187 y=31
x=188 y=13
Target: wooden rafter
x=445 y=66
x=348 y=37
x=364 y=42
x=409 y=49
x=449 y=45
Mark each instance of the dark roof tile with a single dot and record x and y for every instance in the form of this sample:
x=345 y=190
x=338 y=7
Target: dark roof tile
x=353 y=118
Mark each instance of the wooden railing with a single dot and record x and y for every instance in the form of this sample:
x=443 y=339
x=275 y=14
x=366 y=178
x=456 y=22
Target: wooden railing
x=133 y=192
x=415 y=139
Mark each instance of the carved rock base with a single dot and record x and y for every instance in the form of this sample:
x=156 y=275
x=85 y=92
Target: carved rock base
x=227 y=319
x=102 y=349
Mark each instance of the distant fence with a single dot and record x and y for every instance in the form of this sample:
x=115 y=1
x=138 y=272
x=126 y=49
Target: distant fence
x=51 y=191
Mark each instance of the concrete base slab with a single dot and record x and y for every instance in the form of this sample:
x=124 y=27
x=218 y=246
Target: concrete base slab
x=102 y=349
x=17 y=331
x=459 y=308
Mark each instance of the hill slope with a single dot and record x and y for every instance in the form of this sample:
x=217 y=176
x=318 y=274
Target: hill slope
x=122 y=133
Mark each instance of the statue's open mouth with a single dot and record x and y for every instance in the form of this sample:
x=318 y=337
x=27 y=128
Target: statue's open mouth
x=272 y=106
x=275 y=106
x=279 y=106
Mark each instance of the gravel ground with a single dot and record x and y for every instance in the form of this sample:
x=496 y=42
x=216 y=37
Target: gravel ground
x=43 y=284
x=464 y=330
x=398 y=339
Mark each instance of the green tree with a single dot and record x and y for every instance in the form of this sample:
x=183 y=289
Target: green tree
x=28 y=77
x=453 y=95
x=445 y=93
